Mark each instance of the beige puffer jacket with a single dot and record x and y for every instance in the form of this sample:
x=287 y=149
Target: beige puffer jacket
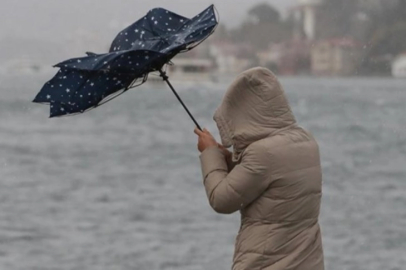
x=274 y=179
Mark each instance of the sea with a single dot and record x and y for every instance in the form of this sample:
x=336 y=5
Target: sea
x=120 y=187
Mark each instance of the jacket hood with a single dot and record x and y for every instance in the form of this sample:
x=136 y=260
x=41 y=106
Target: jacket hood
x=254 y=107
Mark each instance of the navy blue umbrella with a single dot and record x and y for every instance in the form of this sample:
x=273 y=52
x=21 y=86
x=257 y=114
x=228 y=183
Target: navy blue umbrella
x=146 y=46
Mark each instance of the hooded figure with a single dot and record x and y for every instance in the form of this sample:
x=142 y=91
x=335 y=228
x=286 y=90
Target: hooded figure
x=273 y=177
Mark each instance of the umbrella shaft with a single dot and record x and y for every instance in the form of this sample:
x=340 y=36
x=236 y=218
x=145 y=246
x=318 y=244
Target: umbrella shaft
x=166 y=79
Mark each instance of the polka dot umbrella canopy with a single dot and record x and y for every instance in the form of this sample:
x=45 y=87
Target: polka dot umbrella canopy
x=146 y=46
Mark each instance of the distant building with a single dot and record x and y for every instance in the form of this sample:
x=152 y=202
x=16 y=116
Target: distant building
x=399 y=66
x=338 y=57
x=305 y=16
x=231 y=58
x=309 y=19
x=192 y=70
x=271 y=57
x=287 y=58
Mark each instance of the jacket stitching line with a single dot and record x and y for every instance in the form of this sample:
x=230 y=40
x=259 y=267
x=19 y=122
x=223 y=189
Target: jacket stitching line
x=310 y=167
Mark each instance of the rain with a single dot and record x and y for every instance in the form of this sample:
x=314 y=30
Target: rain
x=118 y=184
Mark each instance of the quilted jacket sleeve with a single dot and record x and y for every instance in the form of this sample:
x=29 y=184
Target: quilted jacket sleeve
x=230 y=163
x=230 y=191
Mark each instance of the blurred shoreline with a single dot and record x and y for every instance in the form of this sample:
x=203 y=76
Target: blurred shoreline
x=343 y=38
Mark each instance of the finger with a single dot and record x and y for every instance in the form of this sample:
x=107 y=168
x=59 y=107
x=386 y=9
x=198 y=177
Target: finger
x=205 y=131
x=198 y=132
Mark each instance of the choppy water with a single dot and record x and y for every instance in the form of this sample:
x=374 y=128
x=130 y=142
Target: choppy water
x=120 y=187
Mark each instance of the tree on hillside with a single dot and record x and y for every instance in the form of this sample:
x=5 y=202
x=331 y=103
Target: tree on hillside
x=263 y=27
x=221 y=33
x=337 y=18
x=387 y=37
x=264 y=13
x=388 y=31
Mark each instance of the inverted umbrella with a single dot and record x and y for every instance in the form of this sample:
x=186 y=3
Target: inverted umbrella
x=146 y=46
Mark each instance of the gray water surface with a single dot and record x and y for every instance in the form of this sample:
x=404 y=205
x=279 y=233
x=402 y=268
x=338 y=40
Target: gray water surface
x=120 y=187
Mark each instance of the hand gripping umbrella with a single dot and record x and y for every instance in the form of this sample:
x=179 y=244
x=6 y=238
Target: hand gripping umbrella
x=146 y=46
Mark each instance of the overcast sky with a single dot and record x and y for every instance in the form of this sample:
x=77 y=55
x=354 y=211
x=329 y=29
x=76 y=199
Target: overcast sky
x=41 y=28
x=49 y=17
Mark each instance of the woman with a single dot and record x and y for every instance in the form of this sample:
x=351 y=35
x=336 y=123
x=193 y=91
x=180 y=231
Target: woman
x=273 y=177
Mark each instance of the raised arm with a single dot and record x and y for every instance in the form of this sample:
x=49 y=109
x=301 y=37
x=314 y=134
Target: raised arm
x=230 y=191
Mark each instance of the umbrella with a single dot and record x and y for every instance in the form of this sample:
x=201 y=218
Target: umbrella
x=146 y=46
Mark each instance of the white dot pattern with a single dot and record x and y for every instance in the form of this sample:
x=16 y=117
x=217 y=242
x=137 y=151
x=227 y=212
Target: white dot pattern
x=148 y=44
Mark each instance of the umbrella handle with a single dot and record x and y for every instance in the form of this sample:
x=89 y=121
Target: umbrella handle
x=166 y=79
